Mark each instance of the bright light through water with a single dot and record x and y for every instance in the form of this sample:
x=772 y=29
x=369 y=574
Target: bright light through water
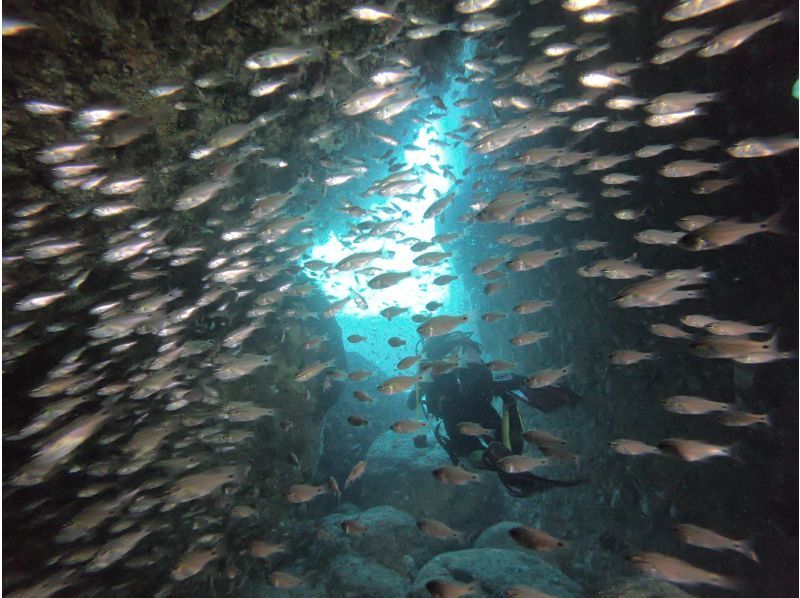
x=413 y=293
x=416 y=292
x=407 y=293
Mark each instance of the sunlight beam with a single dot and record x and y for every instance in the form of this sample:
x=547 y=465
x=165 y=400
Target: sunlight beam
x=406 y=293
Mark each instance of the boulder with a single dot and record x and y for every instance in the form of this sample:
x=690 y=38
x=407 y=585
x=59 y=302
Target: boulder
x=392 y=451
x=642 y=587
x=356 y=577
x=403 y=474
x=497 y=570
x=264 y=589
x=401 y=543
x=497 y=536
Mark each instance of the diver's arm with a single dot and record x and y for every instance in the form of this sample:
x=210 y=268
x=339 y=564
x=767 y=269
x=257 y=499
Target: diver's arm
x=547 y=399
x=503 y=387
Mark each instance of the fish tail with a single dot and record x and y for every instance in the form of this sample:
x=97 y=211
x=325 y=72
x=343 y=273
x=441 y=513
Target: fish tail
x=261 y=120
x=772 y=343
x=773 y=224
x=707 y=275
x=778 y=17
x=735 y=452
x=746 y=548
x=728 y=583
x=330 y=485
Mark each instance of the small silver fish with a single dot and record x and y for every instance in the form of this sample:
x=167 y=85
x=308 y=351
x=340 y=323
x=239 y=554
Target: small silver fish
x=209 y=8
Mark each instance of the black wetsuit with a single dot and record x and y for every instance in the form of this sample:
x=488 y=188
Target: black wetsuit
x=465 y=395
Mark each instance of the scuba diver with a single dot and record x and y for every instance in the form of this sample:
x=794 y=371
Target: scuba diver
x=458 y=393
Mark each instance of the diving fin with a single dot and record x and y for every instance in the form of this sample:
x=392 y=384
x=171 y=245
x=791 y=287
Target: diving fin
x=520 y=484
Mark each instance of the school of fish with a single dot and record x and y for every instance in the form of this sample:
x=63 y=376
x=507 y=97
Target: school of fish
x=142 y=388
